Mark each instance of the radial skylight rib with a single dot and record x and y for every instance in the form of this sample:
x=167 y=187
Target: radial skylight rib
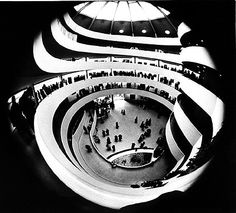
x=152 y=12
x=108 y=11
x=93 y=9
x=137 y=12
x=131 y=21
x=123 y=10
x=113 y=18
x=166 y=12
x=166 y=16
x=79 y=6
x=96 y=16
x=122 y=13
x=148 y=19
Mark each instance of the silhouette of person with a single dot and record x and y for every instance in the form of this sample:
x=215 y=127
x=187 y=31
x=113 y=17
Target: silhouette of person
x=108 y=140
x=120 y=137
x=132 y=145
x=117 y=125
x=17 y=119
x=28 y=105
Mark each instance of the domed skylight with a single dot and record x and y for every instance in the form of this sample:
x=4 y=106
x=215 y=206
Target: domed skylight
x=121 y=10
x=129 y=18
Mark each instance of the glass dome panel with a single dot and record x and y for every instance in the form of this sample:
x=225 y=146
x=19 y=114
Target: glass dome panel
x=151 y=11
x=122 y=13
x=108 y=11
x=164 y=11
x=93 y=9
x=136 y=12
x=79 y=6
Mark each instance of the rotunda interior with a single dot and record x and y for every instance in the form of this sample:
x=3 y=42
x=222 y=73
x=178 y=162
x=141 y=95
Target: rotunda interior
x=118 y=106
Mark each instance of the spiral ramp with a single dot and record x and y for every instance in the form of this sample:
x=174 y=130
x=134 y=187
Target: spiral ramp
x=197 y=112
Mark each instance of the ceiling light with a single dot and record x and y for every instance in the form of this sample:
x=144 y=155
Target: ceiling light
x=167 y=32
x=144 y=31
x=121 y=31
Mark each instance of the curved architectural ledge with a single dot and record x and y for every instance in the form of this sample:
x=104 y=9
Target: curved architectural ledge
x=68 y=43
x=48 y=63
x=182 y=29
x=191 y=133
x=114 y=159
x=128 y=39
x=82 y=183
x=80 y=103
x=198 y=55
x=208 y=101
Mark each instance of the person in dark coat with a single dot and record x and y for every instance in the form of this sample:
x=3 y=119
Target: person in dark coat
x=113 y=148
x=107 y=131
x=132 y=145
x=28 y=105
x=17 y=118
x=108 y=140
x=88 y=148
x=117 y=125
x=103 y=133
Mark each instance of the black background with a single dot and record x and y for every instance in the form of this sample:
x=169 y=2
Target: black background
x=24 y=190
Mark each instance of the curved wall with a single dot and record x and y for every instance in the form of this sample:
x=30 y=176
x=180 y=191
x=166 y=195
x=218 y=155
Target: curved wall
x=202 y=122
x=174 y=149
x=76 y=46
x=90 y=82
x=182 y=29
x=136 y=40
x=191 y=133
x=178 y=124
x=198 y=55
x=208 y=101
x=76 y=178
x=73 y=177
x=202 y=95
x=51 y=64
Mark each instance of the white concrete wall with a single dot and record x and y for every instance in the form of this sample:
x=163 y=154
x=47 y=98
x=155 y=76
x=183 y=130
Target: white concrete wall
x=186 y=126
x=174 y=149
x=122 y=38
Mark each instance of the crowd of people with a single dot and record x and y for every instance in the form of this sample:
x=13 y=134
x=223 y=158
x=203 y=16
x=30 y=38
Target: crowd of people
x=45 y=90
x=96 y=88
x=144 y=125
x=164 y=80
x=28 y=101
x=41 y=93
x=106 y=134
x=192 y=74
